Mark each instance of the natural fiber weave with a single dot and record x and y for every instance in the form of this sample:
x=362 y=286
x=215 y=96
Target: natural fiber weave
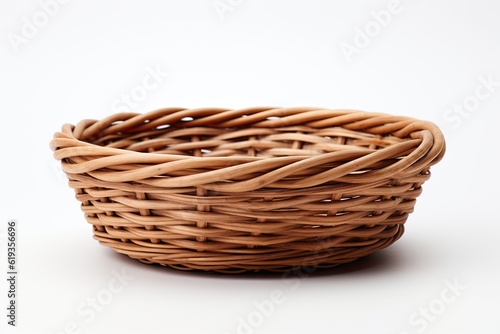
x=249 y=189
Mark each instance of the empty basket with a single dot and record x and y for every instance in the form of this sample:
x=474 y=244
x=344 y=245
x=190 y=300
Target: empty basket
x=248 y=189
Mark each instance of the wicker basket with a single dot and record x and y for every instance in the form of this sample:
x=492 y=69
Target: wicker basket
x=250 y=189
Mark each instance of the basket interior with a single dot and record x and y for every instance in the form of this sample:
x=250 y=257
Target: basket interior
x=243 y=141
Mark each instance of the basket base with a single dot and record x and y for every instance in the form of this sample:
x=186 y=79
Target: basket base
x=247 y=259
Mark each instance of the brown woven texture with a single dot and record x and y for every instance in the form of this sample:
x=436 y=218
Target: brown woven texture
x=250 y=189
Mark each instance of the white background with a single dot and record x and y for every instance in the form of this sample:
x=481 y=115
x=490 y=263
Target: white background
x=78 y=63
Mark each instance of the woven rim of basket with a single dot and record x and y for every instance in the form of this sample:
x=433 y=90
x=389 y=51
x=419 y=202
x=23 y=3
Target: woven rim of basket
x=424 y=145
